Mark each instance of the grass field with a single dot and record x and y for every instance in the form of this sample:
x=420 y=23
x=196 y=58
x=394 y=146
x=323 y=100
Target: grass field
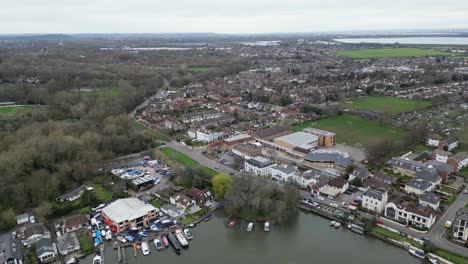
x=85 y=243
x=14 y=109
x=457 y=259
x=102 y=194
x=179 y=157
x=393 y=105
x=354 y=131
x=390 y=53
x=151 y=133
x=199 y=69
x=103 y=92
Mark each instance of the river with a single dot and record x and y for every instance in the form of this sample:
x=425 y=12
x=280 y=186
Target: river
x=410 y=40
x=307 y=238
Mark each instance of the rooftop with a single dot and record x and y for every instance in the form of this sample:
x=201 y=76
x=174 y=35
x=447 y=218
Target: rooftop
x=318 y=131
x=237 y=137
x=298 y=138
x=374 y=194
x=429 y=198
x=127 y=209
x=259 y=161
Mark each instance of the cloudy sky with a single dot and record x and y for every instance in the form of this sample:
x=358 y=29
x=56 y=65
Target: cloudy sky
x=223 y=16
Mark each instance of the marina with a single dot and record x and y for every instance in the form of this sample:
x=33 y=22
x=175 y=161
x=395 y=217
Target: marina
x=284 y=244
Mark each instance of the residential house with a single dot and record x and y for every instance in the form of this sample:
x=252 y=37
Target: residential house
x=429 y=199
x=74 y=195
x=200 y=196
x=173 y=211
x=406 y=166
x=460 y=225
x=459 y=160
x=68 y=243
x=11 y=251
x=433 y=141
x=361 y=173
x=283 y=173
x=375 y=200
x=339 y=184
x=303 y=180
x=258 y=166
x=410 y=213
x=318 y=184
x=182 y=201
x=46 y=251
x=34 y=233
x=441 y=155
x=247 y=150
x=128 y=213
x=448 y=144
x=25 y=219
x=75 y=222
x=425 y=183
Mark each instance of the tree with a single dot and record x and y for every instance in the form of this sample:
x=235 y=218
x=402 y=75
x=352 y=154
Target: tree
x=187 y=177
x=221 y=184
x=7 y=220
x=88 y=198
x=357 y=182
x=350 y=168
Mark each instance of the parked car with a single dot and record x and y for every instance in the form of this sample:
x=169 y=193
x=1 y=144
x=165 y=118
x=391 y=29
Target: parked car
x=320 y=198
x=444 y=198
x=334 y=205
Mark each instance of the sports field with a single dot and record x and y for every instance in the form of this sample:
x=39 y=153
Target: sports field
x=393 y=105
x=390 y=53
x=354 y=131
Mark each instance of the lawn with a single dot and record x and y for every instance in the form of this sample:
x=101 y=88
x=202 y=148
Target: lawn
x=447 y=189
x=354 y=131
x=156 y=203
x=85 y=243
x=199 y=69
x=392 y=235
x=463 y=171
x=14 y=109
x=102 y=92
x=179 y=157
x=102 y=193
x=188 y=219
x=150 y=132
x=390 y=53
x=392 y=105
x=208 y=172
x=457 y=259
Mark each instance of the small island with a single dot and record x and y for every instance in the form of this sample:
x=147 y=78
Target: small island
x=258 y=199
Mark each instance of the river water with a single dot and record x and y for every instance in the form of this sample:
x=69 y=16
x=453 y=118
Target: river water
x=410 y=40
x=307 y=238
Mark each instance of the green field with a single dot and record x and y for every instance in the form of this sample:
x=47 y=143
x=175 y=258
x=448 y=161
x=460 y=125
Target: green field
x=179 y=157
x=199 y=69
x=102 y=92
x=102 y=194
x=14 y=109
x=150 y=132
x=393 y=105
x=390 y=53
x=389 y=234
x=354 y=131
x=457 y=259
x=85 y=243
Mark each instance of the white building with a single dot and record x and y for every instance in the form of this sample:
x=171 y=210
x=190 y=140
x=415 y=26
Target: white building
x=410 y=213
x=206 y=136
x=441 y=156
x=433 y=141
x=460 y=225
x=258 y=166
x=430 y=199
x=283 y=173
x=375 y=200
x=303 y=180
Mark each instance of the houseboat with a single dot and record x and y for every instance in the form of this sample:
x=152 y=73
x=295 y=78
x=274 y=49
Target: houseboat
x=249 y=227
x=266 y=227
x=174 y=244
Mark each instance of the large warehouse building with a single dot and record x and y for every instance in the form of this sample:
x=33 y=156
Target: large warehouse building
x=299 y=141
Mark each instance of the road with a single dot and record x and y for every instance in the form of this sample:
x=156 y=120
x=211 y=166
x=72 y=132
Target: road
x=149 y=99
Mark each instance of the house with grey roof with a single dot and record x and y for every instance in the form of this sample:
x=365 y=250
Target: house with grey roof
x=406 y=166
x=11 y=251
x=173 y=211
x=259 y=166
x=410 y=212
x=283 y=173
x=46 y=251
x=430 y=199
x=374 y=200
x=361 y=173
x=68 y=243
x=419 y=186
x=75 y=194
x=460 y=225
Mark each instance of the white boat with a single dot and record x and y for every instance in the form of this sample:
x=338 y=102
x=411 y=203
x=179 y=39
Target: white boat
x=145 y=248
x=433 y=260
x=249 y=227
x=97 y=260
x=180 y=236
x=188 y=233
x=417 y=253
x=332 y=223
x=266 y=227
x=109 y=235
x=337 y=224
x=158 y=244
x=71 y=261
x=122 y=239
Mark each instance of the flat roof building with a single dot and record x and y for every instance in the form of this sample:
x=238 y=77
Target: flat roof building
x=129 y=212
x=300 y=140
x=325 y=138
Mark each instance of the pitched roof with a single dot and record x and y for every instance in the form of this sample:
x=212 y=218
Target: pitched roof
x=10 y=247
x=75 y=220
x=44 y=245
x=419 y=184
x=374 y=193
x=429 y=198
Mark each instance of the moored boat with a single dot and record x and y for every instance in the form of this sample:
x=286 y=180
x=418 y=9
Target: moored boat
x=208 y=217
x=249 y=227
x=145 y=248
x=109 y=235
x=332 y=223
x=417 y=253
x=357 y=229
x=266 y=227
x=232 y=224
x=433 y=260
x=165 y=241
x=188 y=233
x=181 y=238
x=158 y=244
x=173 y=242
x=337 y=225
